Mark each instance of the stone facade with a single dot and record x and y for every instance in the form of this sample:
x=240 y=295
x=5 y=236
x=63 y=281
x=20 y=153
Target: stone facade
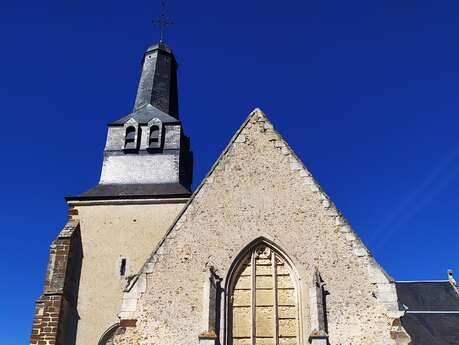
x=259 y=193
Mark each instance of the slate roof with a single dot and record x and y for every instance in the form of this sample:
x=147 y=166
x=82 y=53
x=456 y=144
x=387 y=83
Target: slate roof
x=137 y=191
x=144 y=114
x=432 y=329
x=428 y=296
x=432 y=312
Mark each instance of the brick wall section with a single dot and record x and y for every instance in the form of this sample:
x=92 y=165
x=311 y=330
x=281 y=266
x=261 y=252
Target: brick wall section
x=72 y=213
x=55 y=317
x=45 y=323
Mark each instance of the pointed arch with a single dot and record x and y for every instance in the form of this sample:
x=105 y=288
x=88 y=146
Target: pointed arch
x=262 y=302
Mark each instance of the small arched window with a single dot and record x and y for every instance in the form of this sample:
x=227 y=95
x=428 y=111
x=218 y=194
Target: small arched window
x=263 y=301
x=155 y=137
x=130 y=138
x=108 y=335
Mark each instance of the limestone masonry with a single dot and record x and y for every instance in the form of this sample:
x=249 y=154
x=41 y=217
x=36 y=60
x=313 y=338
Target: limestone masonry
x=257 y=255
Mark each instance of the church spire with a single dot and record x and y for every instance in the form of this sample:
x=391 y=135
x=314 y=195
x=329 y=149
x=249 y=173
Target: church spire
x=158 y=81
x=147 y=153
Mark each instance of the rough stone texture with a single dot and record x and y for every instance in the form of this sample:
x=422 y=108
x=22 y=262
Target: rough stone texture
x=55 y=311
x=109 y=233
x=259 y=188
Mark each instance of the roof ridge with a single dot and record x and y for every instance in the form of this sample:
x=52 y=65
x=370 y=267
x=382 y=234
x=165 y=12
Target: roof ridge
x=423 y=281
x=432 y=311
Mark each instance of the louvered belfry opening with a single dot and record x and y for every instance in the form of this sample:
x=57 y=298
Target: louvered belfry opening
x=263 y=303
x=129 y=140
x=154 y=134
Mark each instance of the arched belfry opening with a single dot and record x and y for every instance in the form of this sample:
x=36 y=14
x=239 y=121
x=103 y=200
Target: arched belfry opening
x=154 y=139
x=130 y=138
x=262 y=301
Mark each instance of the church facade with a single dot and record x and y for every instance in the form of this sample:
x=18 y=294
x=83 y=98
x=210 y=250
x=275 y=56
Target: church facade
x=258 y=254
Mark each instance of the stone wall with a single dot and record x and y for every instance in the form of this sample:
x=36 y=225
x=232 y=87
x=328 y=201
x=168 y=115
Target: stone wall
x=259 y=189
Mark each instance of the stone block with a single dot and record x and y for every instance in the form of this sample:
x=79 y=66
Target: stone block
x=240 y=139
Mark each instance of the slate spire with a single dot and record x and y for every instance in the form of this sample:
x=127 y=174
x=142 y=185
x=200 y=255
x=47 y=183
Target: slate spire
x=158 y=81
x=147 y=153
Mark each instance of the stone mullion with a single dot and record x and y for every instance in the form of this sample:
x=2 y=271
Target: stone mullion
x=253 y=298
x=275 y=304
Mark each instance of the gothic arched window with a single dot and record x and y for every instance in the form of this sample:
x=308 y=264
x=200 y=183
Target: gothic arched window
x=263 y=302
x=129 y=139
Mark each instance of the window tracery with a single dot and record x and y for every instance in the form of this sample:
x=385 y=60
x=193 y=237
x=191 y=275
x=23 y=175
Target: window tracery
x=263 y=302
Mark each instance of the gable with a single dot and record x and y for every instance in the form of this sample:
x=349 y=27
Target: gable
x=259 y=189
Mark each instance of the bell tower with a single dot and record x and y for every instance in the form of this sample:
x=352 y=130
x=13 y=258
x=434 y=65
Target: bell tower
x=147 y=152
x=113 y=227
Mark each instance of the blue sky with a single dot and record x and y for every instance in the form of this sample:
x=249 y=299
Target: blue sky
x=366 y=93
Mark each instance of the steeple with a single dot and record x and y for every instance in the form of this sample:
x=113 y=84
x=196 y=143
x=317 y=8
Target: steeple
x=147 y=153
x=158 y=82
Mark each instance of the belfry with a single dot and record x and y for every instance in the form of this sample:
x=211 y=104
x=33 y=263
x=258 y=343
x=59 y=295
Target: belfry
x=258 y=254
x=147 y=153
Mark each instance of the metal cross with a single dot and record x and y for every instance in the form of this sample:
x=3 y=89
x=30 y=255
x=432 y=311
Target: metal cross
x=162 y=22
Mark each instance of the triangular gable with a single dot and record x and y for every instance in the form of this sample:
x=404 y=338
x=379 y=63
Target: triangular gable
x=386 y=293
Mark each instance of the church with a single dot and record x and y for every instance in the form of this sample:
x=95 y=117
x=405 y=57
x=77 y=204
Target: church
x=258 y=254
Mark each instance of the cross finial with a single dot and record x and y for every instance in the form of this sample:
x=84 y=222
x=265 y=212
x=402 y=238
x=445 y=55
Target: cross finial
x=162 y=22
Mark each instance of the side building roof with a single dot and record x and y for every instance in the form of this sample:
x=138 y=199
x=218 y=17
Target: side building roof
x=432 y=311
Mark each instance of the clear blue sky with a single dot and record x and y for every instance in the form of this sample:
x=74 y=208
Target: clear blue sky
x=366 y=92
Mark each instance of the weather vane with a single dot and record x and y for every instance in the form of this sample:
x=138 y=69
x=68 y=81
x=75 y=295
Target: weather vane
x=162 y=22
